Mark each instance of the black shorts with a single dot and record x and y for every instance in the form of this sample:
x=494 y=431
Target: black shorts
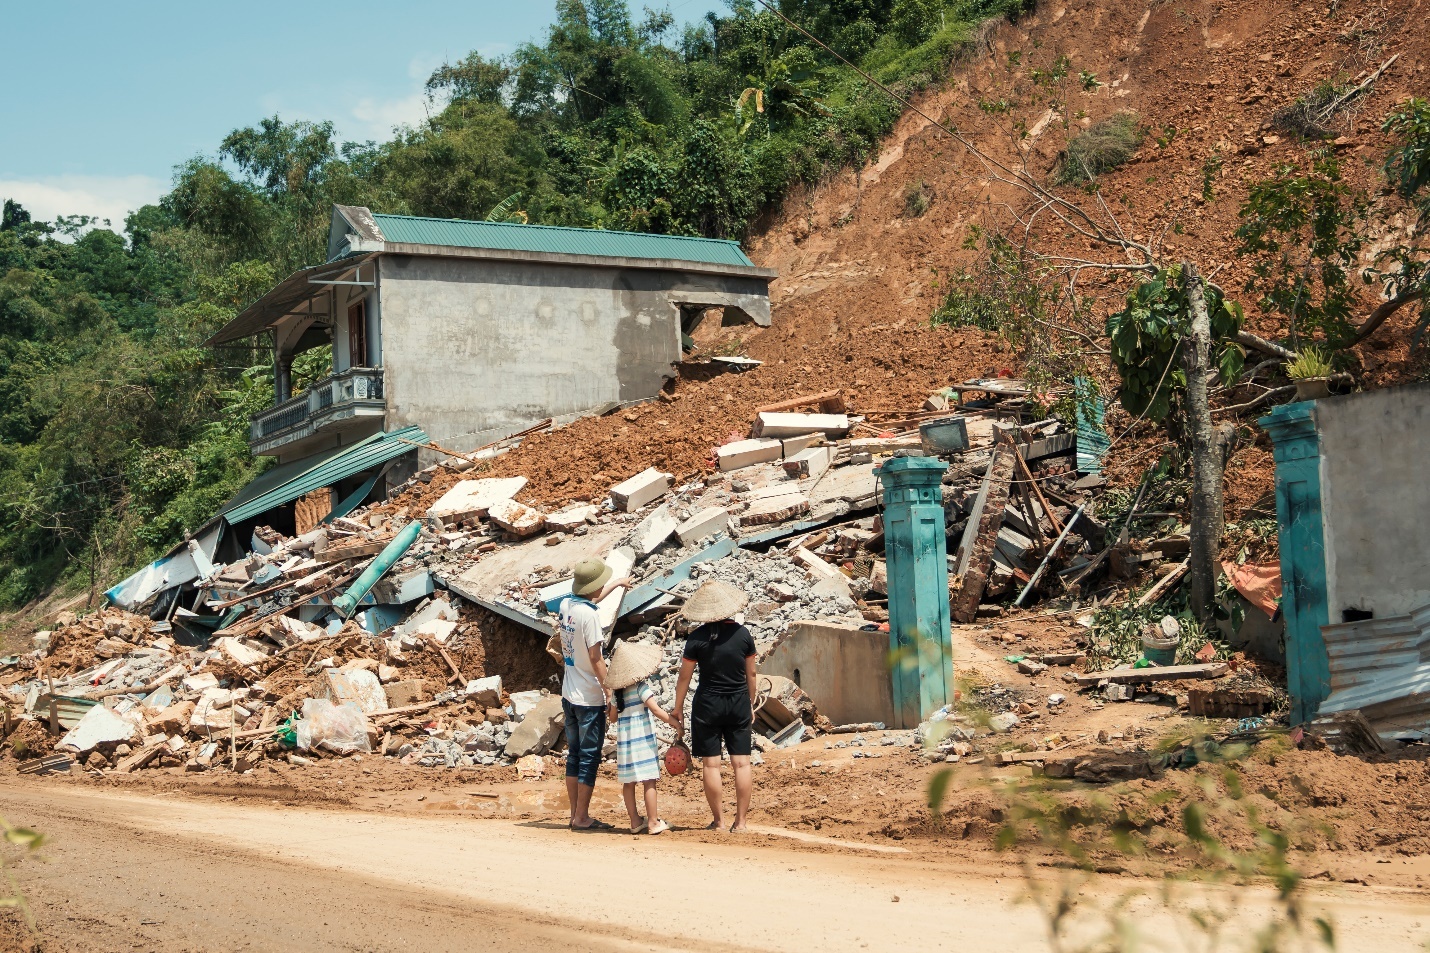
x=720 y=718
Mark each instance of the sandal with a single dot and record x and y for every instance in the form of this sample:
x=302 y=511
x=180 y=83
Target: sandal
x=659 y=827
x=595 y=825
x=641 y=827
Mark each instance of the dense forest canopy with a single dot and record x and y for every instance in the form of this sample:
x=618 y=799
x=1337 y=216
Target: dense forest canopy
x=120 y=433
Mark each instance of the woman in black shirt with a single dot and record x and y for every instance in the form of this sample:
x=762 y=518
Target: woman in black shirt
x=723 y=711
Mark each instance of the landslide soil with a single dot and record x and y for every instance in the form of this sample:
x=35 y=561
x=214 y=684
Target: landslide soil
x=860 y=275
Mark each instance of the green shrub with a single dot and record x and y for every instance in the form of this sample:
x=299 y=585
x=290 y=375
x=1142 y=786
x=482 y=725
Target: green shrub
x=1100 y=148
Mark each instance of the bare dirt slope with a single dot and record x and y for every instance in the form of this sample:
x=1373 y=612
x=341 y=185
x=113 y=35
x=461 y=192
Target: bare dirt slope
x=860 y=273
x=165 y=874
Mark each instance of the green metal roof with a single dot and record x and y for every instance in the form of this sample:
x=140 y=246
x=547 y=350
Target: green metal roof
x=506 y=236
x=285 y=483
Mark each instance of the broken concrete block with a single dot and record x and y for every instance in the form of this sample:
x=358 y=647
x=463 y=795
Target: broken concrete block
x=709 y=520
x=879 y=577
x=773 y=424
x=780 y=592
x=818 y=567
x=831 y=587
x=396 y=589
x=485 y=691
x=1029 y=667
x=200 y=682
x=1117 y=692
x=793 y=445
x=173 y=719
x=239 y=652
x=518 y=519
x=212 y=713
x=438 y=608
x=1003 y=722
x=774 y=505
x=569 y=519
x=360 y=687
x=640 y=489
x=653 y=530
x=747 y=453
x=413 y=691
x=541 y=727
x=621 y=560
x=99 y=726
x=810 y=462
x=439 y=629
x=523 y=702
x=472 y=499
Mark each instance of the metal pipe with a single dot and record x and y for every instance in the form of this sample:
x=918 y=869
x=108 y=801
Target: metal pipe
x=1048 y=558
x=347 y=603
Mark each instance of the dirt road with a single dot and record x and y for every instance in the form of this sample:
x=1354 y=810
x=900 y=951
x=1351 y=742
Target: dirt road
x=167 y=874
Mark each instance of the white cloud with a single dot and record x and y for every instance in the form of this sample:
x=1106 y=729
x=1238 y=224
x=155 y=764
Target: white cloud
x=103 y=196
x=378 y=117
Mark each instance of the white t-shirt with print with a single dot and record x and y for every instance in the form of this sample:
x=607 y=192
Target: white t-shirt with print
x=580 y=629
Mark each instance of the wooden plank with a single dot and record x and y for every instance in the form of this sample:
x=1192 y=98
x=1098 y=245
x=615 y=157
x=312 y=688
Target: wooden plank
x=976 y=560
x=1156 y=673
x=824 y=397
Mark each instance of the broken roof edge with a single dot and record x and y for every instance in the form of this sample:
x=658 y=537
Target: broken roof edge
x=281 y=298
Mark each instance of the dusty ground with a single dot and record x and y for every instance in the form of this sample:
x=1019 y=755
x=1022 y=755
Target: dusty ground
x=125 y=872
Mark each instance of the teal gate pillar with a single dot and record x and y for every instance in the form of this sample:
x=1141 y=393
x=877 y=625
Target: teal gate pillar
x=921 y=657
x=1297 y=449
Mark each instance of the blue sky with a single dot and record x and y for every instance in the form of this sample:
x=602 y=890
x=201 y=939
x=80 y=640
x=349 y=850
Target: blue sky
x=101 y=100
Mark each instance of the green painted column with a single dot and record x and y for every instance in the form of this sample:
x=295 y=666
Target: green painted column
x=917 y=553
x=1303 y=554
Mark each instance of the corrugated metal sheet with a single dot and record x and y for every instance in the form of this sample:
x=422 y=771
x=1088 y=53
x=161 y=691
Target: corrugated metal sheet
x=1381 y=667
x=1092 y=440
x=505 y=236
x=374 y=451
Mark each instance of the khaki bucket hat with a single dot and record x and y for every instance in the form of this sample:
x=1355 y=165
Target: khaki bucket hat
x=588 y=576
x=713 y=602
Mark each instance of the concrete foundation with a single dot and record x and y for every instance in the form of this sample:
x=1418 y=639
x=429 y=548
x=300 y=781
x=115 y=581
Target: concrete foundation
x=842 y=668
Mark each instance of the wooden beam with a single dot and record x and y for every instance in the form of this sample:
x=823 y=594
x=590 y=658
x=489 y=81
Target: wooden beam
x=1155 y=673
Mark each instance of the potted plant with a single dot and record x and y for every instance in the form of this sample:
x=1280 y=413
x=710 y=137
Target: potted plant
x=1311 y=373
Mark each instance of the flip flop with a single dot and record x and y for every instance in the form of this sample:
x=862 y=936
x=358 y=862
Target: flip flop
x=595 y=825
x=641 y=827
x=659 y=827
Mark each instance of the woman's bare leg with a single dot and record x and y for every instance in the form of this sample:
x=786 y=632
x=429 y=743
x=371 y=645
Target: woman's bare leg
x=744 y=787
x=652 y=809
x=713 y=791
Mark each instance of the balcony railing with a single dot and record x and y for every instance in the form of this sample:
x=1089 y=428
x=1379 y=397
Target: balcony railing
x=327 y=404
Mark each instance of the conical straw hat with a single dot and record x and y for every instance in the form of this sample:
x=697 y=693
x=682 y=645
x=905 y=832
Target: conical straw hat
x=713 y=602
x=631 y=662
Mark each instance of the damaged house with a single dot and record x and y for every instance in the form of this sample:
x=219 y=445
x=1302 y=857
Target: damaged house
x=457 y=334
x=476 y=330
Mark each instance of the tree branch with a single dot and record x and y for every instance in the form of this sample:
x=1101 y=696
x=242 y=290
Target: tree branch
x=1384 y=311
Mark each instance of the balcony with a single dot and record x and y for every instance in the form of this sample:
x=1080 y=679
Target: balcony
x=345 y=401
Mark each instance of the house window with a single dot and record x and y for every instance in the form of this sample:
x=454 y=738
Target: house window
x=357 y=334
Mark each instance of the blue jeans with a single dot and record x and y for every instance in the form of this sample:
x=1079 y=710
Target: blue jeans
x=585 y=736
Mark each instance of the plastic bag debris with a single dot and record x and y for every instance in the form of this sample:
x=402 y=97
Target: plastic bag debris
x=339 y=728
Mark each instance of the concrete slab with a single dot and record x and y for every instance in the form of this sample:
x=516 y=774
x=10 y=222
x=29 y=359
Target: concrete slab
x=852 y=484
x=570 y=519
x=843 y=669
x=358 y=686
x=747 y=453
x=702 y=524
x=486 y=580
x=774 y=424
x=643 y=488
x=99 y=726
x=538 y=730
x=810 y=462
x=472 y=499
x=515 y=518
x=412 y=691
x=485 y=691
x=653 y=530
x=793 y=445
x=775 y=507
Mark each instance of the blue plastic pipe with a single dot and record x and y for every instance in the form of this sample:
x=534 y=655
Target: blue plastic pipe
x=347 y=603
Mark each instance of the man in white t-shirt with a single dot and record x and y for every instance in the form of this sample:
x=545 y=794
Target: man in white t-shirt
x=584 y=697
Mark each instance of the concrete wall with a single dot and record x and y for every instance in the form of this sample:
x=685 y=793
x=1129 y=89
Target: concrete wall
x=476 y=349
x=1375 y=494
x=843 y=669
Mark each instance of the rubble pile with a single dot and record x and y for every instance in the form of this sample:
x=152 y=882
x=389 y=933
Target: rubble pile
x=362 y=634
